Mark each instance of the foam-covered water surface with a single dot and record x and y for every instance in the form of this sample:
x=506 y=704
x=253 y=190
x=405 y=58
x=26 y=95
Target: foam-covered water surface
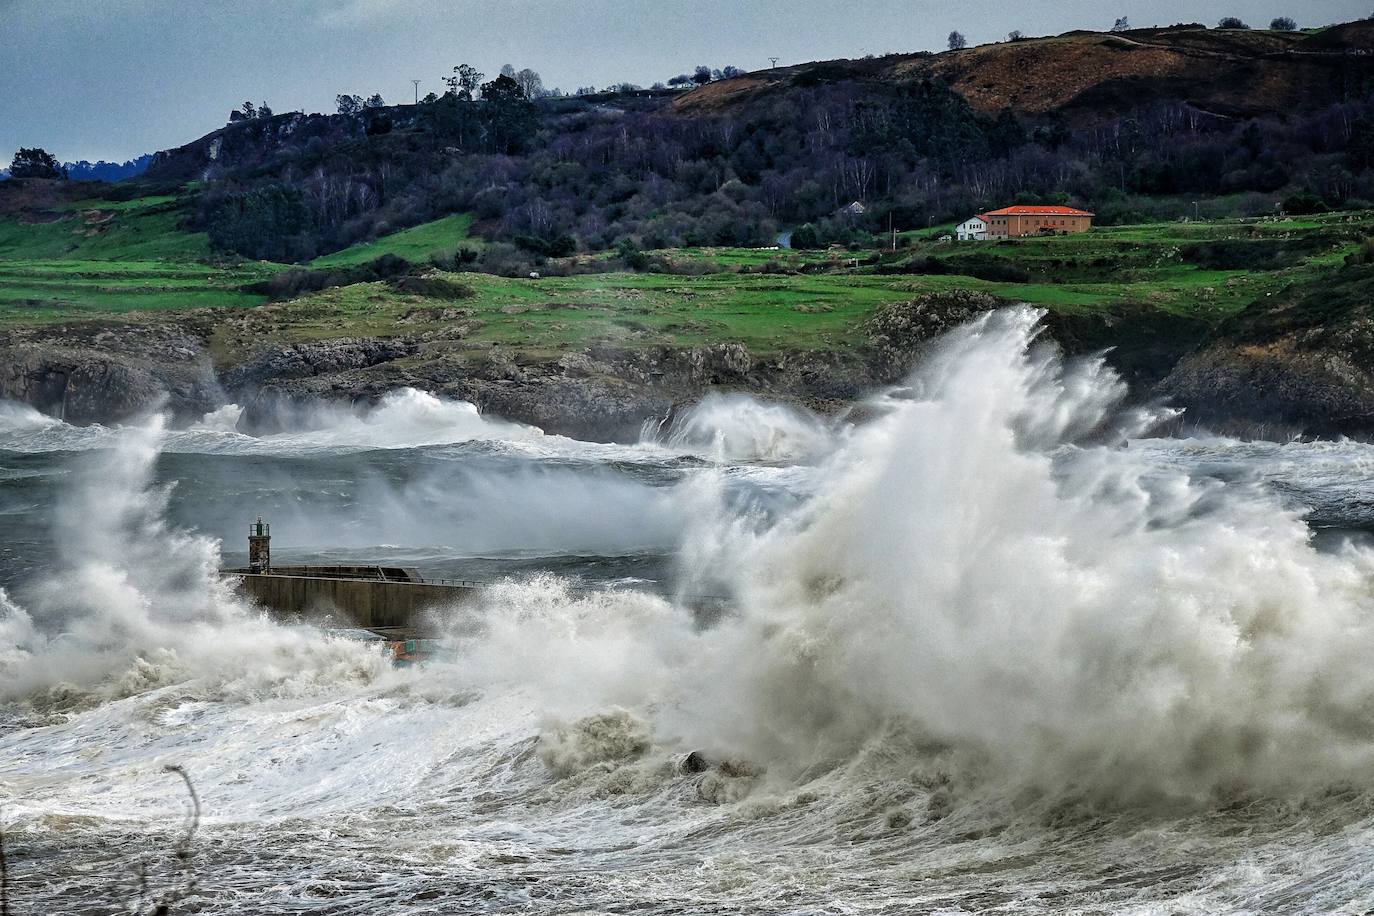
x=993 y=650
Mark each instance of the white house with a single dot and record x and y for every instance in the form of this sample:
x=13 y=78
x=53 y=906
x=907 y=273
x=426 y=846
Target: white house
x=972 y=230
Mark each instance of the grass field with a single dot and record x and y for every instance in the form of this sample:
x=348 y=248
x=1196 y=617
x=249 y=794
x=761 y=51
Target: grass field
x=91 y=261
x=415 y=244
x=775 y=311
x=544 y=317
x=85 y=258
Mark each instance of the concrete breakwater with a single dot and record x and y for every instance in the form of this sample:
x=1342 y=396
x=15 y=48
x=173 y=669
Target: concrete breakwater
x=371 y=597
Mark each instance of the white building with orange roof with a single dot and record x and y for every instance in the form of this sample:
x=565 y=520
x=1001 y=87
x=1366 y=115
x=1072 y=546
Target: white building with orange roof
x=972 y=230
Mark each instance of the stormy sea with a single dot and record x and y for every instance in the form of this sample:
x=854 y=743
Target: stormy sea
x=991 y=643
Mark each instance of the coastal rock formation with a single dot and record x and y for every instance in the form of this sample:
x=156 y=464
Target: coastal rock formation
x=1139 y=342
x=1302 y=361
x=1299 y=362
x=85 y=373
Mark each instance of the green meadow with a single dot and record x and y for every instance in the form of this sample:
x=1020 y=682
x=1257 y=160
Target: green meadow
x=109 y=257
x=92 y=257
x=415 y=244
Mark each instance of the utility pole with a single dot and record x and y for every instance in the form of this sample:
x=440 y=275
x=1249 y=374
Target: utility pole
x=774 y=62
x=417 y=91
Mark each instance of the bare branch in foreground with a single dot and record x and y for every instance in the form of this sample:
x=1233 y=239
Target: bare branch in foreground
x=4 y=874
x=162 y=906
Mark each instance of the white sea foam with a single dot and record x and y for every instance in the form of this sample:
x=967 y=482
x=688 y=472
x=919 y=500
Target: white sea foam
x=977 y=572
x=133 y=602
x=738 y=427
x=1078 y=617
x=220 y=420
x=977 y=610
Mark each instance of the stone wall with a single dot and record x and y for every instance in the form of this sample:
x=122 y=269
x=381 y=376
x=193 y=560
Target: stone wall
x=365 y=602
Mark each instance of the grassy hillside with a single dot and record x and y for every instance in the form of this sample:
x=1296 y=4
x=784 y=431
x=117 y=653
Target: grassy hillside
x=414 y=244
x=775 y=300
x=89 y=257
x=69 y=258
x=142 y=229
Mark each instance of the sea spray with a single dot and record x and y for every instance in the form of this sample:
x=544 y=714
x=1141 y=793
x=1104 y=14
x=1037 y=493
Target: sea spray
x=870 y=734
x=133 y=602
x=971 y=571
x=989 y=571
x=738 y=427
x=405 y=418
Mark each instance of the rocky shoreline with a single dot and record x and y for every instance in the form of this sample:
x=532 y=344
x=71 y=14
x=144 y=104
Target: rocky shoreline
x=1233 y=378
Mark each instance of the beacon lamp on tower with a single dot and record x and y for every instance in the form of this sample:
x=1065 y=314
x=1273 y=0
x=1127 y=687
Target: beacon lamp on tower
x=259 y=546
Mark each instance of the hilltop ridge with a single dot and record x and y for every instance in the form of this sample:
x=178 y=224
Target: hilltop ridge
x=1237 y=73
x=1133 y=125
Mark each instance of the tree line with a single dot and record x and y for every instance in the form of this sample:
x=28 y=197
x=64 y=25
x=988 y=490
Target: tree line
x=549 y=178
x=957 y=41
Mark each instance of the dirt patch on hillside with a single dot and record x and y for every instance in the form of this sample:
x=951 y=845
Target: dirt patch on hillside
x=1092 y=74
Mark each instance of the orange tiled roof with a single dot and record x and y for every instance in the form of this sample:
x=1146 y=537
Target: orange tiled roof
x=1037 y=211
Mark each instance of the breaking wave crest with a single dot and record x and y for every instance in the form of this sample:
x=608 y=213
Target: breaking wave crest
x=133 y=603
x=989 y=571
x=403 y=419
x=979 y=646
x=737 y=427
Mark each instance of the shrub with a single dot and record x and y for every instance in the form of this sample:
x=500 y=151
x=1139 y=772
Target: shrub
x=1362 y=255
x=1253 y=254
x=630 y=255
x=806 y=238
x=431 y=287
x=459 y=259
x=298 y=281
x=560 y=246
x=1304 y=202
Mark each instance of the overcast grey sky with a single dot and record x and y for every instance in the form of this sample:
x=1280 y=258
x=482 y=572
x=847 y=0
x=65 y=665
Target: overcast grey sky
x=90 y=79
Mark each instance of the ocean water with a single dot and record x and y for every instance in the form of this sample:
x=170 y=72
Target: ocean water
x=995 y=649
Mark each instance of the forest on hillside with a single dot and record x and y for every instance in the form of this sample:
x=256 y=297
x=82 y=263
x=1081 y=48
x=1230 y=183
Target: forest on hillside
x=554 y=176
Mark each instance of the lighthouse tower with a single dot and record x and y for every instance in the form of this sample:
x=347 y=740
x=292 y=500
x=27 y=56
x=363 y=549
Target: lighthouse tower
x=259 y=546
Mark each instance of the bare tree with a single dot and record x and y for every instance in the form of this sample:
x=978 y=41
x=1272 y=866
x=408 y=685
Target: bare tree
x=1122 y=24
x=1015 y=35
x=957 y=41
x=530 y=83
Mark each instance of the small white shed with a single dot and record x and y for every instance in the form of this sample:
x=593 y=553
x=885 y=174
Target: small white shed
x=972 y=230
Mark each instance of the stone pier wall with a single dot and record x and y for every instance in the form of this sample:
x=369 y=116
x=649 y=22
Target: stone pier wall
x=366 y=602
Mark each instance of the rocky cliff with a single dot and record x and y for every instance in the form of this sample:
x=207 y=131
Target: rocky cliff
x=105 y=372
x=1299 y=362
